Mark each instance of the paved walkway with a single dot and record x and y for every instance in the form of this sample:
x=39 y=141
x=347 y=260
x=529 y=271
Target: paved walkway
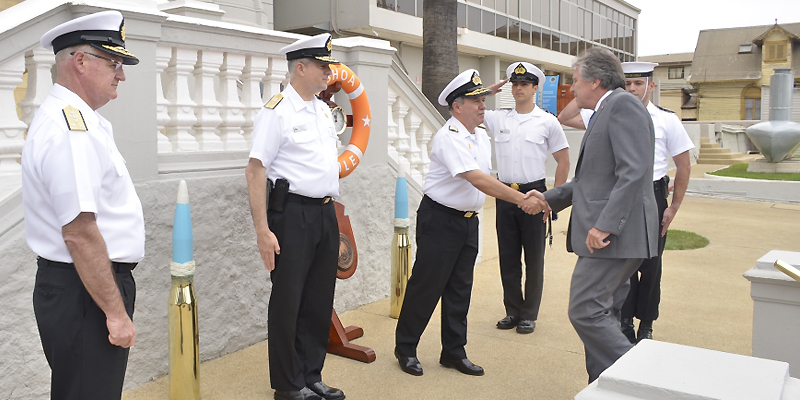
x=705 y=303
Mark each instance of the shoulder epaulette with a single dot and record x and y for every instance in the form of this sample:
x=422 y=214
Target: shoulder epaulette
x=664 y=109
x=274 y=101
x=74 y=119
x=453 y=128
x=547 y=111
x=482 y=126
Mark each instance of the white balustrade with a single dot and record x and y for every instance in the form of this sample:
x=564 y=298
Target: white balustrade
x=424 y=135
x=38 y=63
x=11 y=127
x=232 y=111
x=391 y=131
x=208 y=108
x=163 y=55
x=253 y=76
x=276 y=75
x=181 y=107
x=414 y=157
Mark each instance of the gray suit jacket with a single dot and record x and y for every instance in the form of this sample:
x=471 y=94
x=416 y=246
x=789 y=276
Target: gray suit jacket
x=613 y=185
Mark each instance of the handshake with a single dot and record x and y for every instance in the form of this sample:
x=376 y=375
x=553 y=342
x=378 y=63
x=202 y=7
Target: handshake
x=533 y=203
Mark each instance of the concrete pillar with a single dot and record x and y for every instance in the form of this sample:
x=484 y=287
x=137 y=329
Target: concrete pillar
x=490 y=74
x=776 y=309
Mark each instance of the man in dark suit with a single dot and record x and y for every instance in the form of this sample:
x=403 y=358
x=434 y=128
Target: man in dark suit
x=614 y=209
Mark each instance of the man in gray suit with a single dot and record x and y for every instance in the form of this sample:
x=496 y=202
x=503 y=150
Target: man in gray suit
x=614 y=209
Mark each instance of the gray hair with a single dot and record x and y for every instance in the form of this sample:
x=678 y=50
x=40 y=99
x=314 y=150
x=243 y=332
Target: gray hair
x=459 y=100
x=602 y=64
x=64 y=54
x=292 y=64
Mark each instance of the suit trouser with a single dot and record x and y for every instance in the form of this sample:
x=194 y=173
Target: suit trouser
x=596 y=294
x=303 y=284
x=447 y=246
x=84 y=364
x=645 y=293
x=516 y=231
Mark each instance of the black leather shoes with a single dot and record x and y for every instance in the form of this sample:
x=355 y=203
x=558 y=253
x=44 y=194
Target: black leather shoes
x=326 y=392
x=626 y=324
x=526 y=326
x=464 y=365
x=409 y=365
x=302 y=394
x=508 y=322
x=645 y=331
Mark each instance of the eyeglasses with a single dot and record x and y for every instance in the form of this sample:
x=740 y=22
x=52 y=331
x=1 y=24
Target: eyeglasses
x=117 y=64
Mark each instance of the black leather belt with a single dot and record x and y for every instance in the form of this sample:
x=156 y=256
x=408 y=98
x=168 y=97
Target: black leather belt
x=449 y=210
x=527 y=187
x=296 y=198
x=119 y=267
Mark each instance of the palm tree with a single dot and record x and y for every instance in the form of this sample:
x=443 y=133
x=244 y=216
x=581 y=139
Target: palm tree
x=439 y=48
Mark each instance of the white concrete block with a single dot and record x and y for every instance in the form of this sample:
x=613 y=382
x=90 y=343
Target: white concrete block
x=656 y=370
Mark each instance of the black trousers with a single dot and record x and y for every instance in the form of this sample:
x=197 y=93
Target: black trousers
x=516 y=231
x=84 y=364
x=447 y=245
x=645 y=293
x=303 y=284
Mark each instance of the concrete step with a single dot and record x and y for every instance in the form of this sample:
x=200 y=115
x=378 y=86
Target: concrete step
x=723 y=161
x=722 y=156
x=714 y=150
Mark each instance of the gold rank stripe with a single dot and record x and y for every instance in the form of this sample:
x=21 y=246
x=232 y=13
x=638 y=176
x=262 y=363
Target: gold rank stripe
x=74 y=119
x=478 y=92
x=274 y=101
x=453 y=128
x=119 y=49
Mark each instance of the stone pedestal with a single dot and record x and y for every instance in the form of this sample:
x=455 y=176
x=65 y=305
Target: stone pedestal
x=762 y=165
x=776 y=309
x=655 y=370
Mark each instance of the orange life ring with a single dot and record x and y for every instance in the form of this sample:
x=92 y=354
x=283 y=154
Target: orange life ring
x=359 y=138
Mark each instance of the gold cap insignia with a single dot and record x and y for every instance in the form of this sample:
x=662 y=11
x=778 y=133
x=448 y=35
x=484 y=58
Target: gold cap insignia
x=520 y=70
x=122 y=31
x=274 y=101
x=329 y=45
x=453 y=128
x=74 y=119
x=476 y=79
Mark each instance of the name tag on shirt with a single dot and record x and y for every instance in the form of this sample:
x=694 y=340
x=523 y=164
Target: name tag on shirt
x=299 y=128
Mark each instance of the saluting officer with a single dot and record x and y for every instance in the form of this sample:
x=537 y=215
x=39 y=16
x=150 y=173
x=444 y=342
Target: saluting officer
x=294 y=147
x=671 y=140
x=447 y=227
x=82 y=215
x=523 y=138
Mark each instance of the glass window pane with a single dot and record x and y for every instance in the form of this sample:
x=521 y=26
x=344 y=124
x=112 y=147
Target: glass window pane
x=525 y=33
x=475 y=1
x=513 y=30
x=488 y=22
x=474 y=19
x=545 y=13
x=501 y=26
x=546 y=39
x=419 y=8
x=513 y=8
x=500 y=5
x=555 y=15
x=536 y=11
x=488 y=3
x=461 y=15
x=406 y=6
x=525 y=10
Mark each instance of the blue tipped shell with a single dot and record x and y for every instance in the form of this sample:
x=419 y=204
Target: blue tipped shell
x=182 y=228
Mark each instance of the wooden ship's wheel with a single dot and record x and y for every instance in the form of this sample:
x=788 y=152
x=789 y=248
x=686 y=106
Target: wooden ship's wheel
x=339 y=337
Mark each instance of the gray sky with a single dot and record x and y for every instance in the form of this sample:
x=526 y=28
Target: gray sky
x=672 y=26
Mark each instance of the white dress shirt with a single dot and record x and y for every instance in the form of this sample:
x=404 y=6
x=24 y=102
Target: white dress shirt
x=66 y=172
x=296 y=141
x=671 y=139
x=523 y=142
x=456 y=150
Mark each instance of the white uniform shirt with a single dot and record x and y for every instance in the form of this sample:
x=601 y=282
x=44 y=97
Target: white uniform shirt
x=522 y=143
x=671 y=138
x=296 y=141
x=65 y=173
x=456 y=150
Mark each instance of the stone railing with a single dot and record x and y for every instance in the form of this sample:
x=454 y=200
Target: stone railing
x=412 y=123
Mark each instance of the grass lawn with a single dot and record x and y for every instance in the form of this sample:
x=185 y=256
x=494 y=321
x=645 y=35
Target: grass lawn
x=683 y=240
x=740 y=171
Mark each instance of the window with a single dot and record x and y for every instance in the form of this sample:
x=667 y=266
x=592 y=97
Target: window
x=751 y=107
x=675 y=72
x=775 y=51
